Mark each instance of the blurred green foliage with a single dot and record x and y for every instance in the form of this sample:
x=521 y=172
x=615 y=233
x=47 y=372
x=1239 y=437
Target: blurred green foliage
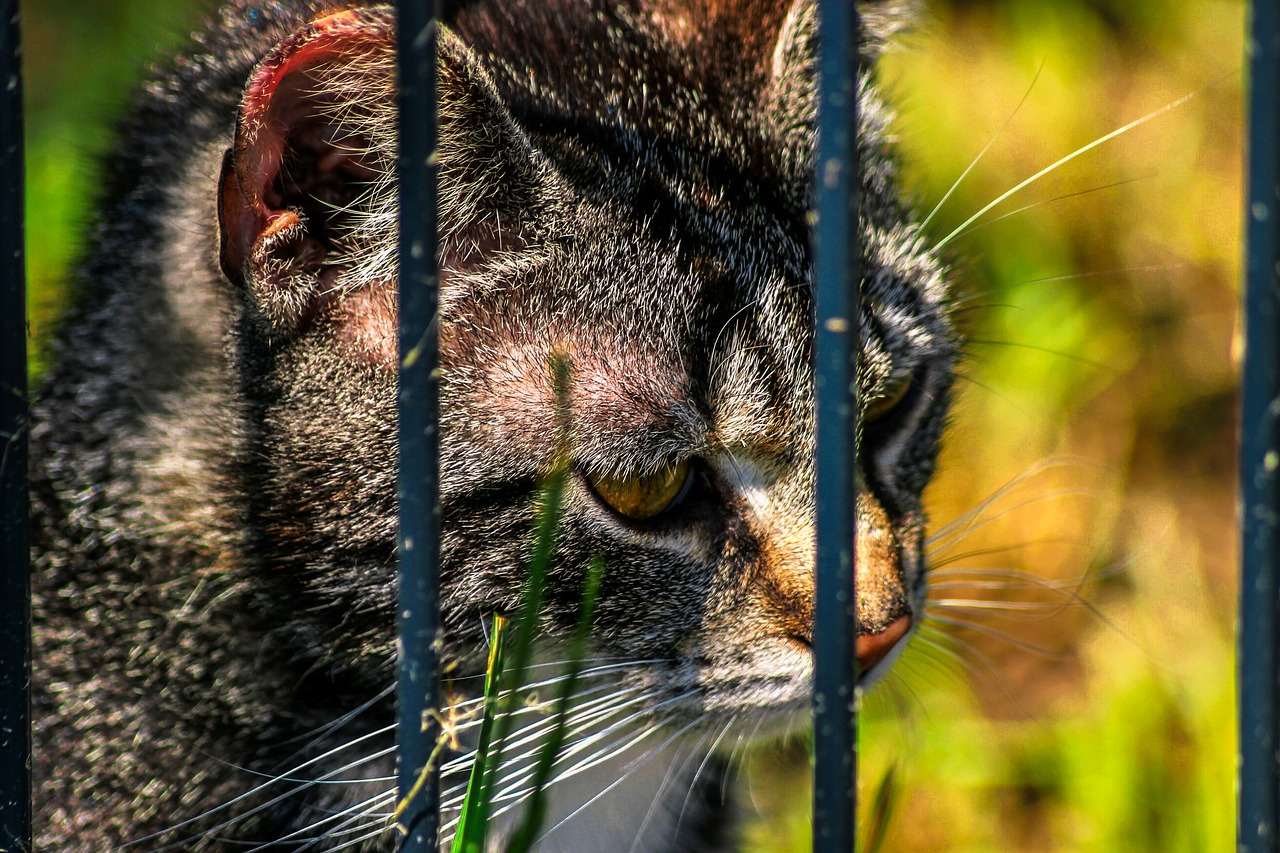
x=1088 y=710
x=1088 y=610
x=82 y=58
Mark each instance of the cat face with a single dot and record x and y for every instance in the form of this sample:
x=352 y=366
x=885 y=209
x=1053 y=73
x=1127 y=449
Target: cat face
x=626 y=285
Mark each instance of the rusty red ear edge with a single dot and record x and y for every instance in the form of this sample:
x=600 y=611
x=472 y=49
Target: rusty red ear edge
x=274 y=102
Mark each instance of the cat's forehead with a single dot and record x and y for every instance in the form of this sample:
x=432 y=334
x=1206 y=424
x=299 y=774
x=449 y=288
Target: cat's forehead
x=676 y=347
x=729 y=298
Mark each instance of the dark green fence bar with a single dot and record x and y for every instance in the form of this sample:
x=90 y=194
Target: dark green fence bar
x=1259 y=630
x=836 y=297
x=419 y=614
x=15 y=607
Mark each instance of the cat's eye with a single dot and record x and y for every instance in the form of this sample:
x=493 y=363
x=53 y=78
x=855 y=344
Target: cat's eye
x=646 y=495
x=892 y=396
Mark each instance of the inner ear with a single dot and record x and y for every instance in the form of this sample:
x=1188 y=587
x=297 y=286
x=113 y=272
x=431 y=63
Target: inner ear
x=315 y=140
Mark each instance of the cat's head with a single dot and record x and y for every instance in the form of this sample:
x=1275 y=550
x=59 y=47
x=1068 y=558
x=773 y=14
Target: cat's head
x=624 y=205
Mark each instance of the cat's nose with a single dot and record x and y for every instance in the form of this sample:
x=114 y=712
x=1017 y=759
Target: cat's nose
x=873 y=648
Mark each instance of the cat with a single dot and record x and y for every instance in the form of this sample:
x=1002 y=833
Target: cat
x=625 y=189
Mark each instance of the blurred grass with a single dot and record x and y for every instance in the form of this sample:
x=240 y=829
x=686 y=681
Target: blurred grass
x=82 y=58
x=1101 y=331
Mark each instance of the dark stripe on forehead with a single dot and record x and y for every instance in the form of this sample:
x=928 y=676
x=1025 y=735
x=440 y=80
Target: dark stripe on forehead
x=679 y=188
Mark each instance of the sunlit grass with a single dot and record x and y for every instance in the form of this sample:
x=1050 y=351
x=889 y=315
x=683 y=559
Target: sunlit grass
x=1101 y=323
x=1114 y=347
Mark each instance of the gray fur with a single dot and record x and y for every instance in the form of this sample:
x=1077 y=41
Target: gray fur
x=623 y=185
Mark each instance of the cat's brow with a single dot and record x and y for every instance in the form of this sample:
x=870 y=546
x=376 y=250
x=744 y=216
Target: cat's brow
x=751 y=404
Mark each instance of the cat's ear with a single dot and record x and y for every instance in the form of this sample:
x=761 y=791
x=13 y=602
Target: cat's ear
x=307 y=201
x=300 y=186
x=795 y=49
x=490 y=175
x=788 y=99
x=882 y=20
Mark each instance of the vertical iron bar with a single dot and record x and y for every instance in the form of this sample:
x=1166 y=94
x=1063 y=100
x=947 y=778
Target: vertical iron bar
x=836 y=298
x=1259 y=631
x=419 y=544
x=15 y=592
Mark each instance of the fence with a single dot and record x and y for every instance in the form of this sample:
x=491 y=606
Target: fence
x=15 y=634
x=836 y=298
x=837 y=336
x=1258 y=827
x=419 y=449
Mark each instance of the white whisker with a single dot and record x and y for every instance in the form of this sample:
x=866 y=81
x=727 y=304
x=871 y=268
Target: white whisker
x=259 y=789
x=674 y=770
x=693 y=783
x=1063 y=161
x=976 y=160
x=1064 y=197
x=348 y=821
x=596 y=758
x=625 y=775
x=995 y=633
x=526 y=762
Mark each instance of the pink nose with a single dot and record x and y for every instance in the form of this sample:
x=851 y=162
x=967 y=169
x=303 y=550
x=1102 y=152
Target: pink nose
x=872 y=648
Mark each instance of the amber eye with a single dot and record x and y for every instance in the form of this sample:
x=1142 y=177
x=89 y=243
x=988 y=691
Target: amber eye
x=646 y=495
x=894 y=393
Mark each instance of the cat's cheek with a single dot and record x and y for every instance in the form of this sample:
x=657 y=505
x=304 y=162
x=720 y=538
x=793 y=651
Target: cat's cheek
x=365 y=326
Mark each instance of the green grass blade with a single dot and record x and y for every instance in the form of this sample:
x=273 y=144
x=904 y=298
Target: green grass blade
x=474 y=820
x=882 y=808
x=507 y=679
x=535 y=815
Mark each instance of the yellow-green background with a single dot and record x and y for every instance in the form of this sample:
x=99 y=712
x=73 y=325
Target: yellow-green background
x=1097 y=713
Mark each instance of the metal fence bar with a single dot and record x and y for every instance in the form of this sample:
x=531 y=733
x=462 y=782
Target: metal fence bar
x=836 y=298
x=419 y=615
x=15 y=595
x=1259 y=631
